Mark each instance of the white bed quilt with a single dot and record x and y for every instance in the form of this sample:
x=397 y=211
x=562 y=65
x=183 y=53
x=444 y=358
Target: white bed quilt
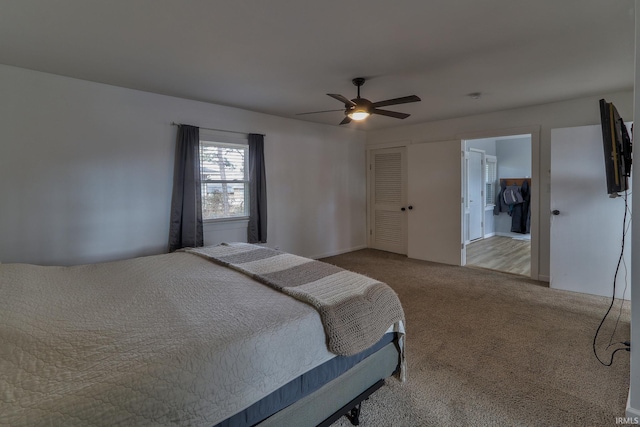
x=148 y=341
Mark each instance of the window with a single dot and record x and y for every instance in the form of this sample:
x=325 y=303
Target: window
x=224 y=174
x=490 y=179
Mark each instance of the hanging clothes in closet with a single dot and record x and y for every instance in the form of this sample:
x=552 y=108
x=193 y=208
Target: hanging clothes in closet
x=515 y=199
x=520 y=211
x=501 y=205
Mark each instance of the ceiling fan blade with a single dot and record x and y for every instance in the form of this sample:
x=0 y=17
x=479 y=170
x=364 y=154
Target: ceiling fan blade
x=396 y=101
x=346 y=120
x=342 y=99
x=316 y=112
x=393 y=114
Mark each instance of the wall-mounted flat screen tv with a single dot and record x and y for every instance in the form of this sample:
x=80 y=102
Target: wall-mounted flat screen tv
x=617 y=149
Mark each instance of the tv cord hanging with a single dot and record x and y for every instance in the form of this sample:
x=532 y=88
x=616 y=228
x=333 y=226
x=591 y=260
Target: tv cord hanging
x=626 y=344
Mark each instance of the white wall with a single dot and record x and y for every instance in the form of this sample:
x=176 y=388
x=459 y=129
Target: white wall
x=514 y=158
x=86 y=172
x=488 y=145
x=578 y=112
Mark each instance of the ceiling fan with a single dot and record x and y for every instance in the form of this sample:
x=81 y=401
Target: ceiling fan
x=361 y=108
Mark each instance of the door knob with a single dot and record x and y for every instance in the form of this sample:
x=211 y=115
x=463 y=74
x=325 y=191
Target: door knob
x=555 y=212
x=403 y=209
x=410 y=207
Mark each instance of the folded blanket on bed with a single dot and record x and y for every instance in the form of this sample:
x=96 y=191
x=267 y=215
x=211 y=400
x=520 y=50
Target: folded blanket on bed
x=355 y=310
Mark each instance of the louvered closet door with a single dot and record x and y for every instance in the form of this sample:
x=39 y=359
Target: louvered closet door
x=388 y=198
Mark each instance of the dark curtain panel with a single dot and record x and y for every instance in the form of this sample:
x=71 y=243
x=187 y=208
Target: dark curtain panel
x=257 y=232
x=185 y=229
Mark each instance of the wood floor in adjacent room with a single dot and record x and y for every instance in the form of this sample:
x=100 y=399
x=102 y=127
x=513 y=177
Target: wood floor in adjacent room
x=502 y=254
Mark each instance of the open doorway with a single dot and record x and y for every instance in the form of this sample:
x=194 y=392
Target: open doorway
x=497 y=229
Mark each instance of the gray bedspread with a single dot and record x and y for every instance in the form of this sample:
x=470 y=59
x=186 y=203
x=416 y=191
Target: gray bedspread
x=163 y=340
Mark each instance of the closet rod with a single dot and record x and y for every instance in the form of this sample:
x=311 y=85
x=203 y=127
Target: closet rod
x=218 y=130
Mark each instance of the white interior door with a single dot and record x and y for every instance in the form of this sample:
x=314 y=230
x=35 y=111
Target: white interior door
x=475 y=190
x=388 y=217
x=434 y=229
x=586 y=225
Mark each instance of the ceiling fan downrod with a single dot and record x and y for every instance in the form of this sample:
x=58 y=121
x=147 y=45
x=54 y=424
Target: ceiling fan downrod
x=358 y=81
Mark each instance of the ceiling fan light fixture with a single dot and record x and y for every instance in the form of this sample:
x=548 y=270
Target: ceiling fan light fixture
x=358 y=114
x=359 y=109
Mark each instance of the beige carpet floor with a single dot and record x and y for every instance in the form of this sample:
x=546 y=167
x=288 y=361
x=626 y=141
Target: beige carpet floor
x=493 y=349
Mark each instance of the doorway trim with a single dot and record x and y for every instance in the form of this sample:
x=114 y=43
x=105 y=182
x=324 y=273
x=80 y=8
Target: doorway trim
x=534 y=131
x=467 y=195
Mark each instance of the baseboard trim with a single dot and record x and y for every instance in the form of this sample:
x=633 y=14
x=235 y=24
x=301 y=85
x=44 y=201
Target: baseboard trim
x=511 y=234
x=544 y=278
x=486 y=236
x=338 y=252
x=632 y=413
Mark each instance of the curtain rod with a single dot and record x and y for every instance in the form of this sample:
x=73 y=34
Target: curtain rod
x=218 y=130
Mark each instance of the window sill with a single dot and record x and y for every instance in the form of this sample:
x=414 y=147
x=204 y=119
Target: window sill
x=236 y=219
x=216 y=231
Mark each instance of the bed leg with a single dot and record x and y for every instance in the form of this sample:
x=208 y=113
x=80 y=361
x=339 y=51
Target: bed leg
x=352 y=409
x=354 y=414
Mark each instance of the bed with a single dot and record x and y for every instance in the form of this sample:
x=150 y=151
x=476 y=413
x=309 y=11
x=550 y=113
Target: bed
x=231 y=335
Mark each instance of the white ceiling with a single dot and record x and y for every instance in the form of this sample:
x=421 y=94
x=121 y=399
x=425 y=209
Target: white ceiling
x=282 y=57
